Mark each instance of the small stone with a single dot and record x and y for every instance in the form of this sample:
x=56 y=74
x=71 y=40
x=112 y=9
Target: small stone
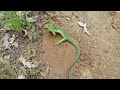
x=68 y=18
x=86 y=74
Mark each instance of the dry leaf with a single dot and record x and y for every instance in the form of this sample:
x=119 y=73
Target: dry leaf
x=15 y=44
x=11 y=40
x=81 y=24
x=32 y=19
x=25 y=63
x=6 y=44
x=7 y=57
x=45 y=73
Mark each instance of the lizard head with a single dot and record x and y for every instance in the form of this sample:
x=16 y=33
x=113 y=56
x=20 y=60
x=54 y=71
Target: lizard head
x=49 y=26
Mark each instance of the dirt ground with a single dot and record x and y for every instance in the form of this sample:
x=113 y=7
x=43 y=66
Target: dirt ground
x=100 y=51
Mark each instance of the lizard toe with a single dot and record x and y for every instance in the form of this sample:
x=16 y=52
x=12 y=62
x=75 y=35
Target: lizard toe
x=56 y=43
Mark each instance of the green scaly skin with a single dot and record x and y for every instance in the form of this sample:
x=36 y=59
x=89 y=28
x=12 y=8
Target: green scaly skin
x=53 y=29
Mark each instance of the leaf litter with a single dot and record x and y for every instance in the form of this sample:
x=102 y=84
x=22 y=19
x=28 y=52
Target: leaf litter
x=26 y=63
x=9 y=41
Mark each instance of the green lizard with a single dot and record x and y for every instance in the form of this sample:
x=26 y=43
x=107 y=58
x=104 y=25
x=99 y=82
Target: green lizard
x=54 y=29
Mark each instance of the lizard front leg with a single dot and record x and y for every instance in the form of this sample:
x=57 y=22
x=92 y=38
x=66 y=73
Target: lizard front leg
x=60 y=42
x=54 y=34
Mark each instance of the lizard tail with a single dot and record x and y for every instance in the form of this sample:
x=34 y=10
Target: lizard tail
x=71 y=40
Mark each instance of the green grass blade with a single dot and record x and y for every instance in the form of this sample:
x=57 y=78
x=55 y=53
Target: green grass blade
x=15 y=23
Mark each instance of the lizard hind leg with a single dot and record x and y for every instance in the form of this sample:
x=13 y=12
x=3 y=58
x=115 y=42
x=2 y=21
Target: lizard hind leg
x=61 y=41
